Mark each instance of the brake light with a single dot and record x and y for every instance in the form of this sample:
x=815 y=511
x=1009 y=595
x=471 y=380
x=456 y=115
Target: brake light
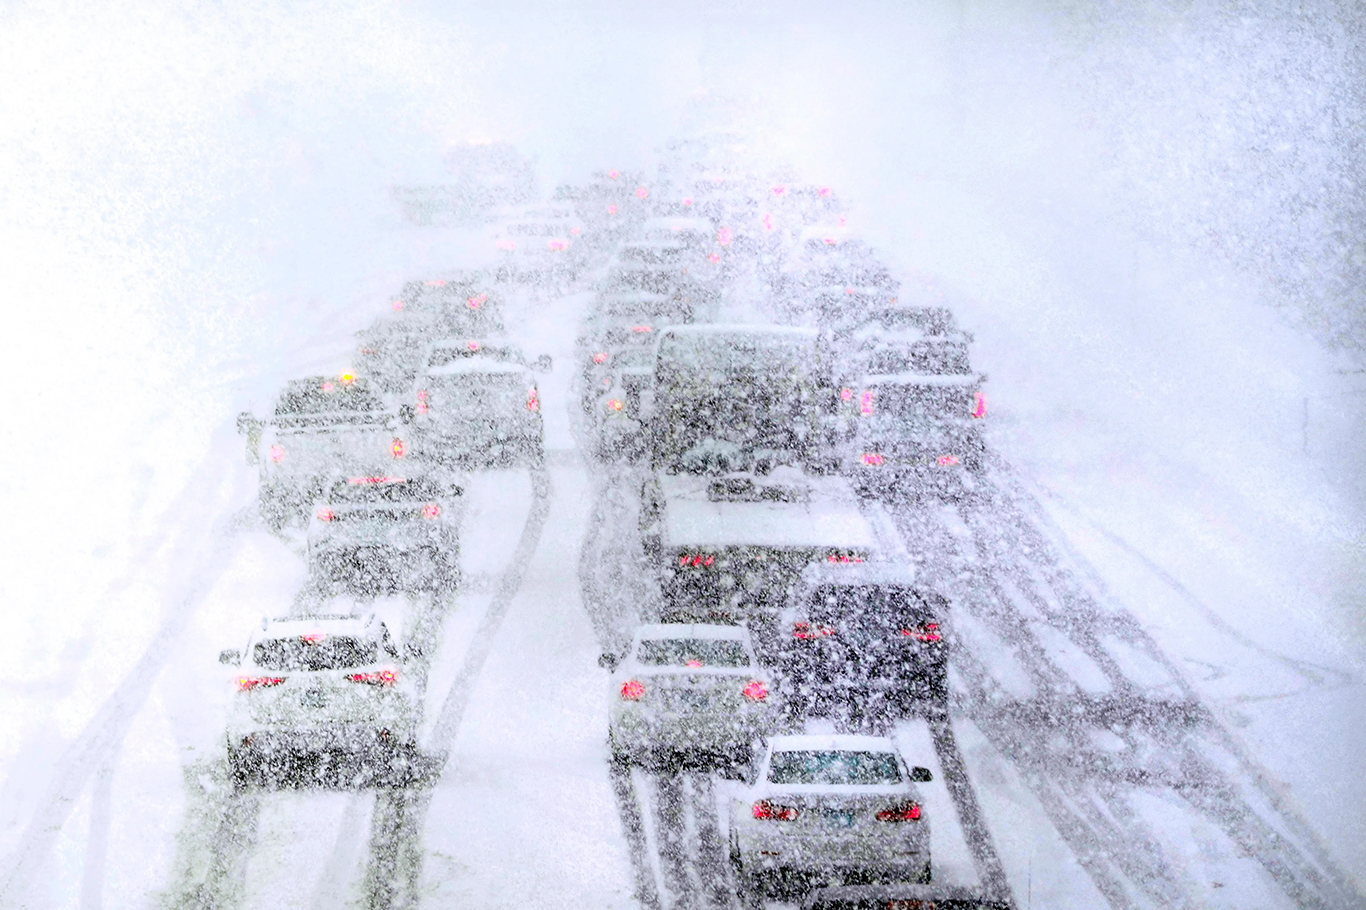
x=533 y=401
x=872 y=458
x=397 y=447
x=312 y=638
x=947 y=460
x=843 y=557
x=980 y=401
x=398 y=304
x=823 y=191
x=277 y=453
x=804 y=630
x=632 y=690
x=865 y=404
x=642 y=328
x=641 y=192
x=575 y=231
x=472 y=345
x=696 y=559
x=375 y=480
x=325 y=515
x=431 y=510
x=906 y=812
x=327 y=386
x=614 y=404
x=611 y=210
x=928 y=632
x=556 y=244
x=846 y=394
x=600 y=357
x=422 y=401
x=476 y=301
x=379 y=678
x=613 y=174
x=692 y=663
x=768 y=222
x=779 y=190
x=687 y=200
x=713 y=257
x=437 y=283
x=766 y=810
x=756 y=691
x=724 y=236
x=257 y=682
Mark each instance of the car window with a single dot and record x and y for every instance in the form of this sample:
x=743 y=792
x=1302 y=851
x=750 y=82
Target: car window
x=406 y=490
x=835 y=767
x=443 y=356
x=326 y=397
x=691 y=652
x=868 y=608
x=315 y=652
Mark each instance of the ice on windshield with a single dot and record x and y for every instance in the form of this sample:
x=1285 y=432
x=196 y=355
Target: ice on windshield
x=835 y=768
x=315 y=652
x=691 y=652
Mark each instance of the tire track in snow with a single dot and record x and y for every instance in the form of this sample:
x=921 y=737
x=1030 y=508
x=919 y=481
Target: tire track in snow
x=394 y=868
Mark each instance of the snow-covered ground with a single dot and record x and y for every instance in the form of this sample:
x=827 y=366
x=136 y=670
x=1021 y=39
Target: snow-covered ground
x=195 y=209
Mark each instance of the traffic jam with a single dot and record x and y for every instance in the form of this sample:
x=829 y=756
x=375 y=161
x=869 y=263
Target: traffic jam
x=813 y=585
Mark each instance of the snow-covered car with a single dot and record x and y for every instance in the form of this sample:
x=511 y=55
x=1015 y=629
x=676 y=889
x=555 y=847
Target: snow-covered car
x=387 y=533
x=829 y=808
x=477 y=411
x=688 y=692
x=617 y=417
x=330 y=686
x=322 y=426
x=866 y=637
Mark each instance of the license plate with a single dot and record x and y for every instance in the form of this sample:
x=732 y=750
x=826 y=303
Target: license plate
x=838 y=819
x=313 y=698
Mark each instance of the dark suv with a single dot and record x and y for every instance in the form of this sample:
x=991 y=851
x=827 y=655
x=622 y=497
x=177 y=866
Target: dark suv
x=863 y=638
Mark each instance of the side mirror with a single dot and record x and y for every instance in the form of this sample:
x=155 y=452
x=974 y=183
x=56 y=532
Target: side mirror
x=542 y=364
x=231 y=656
x=406 y=414
x=921 y=775
x=608 y=661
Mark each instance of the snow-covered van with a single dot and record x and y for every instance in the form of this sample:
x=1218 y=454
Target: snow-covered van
x=477 y=411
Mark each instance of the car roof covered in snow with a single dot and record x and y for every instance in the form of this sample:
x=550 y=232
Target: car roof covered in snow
x=831 y=742
x=725 y=328
x=657 y=631
x=331 y=625
x=924 y=379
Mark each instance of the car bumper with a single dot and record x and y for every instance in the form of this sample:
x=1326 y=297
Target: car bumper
x=643 y=732
x=894 y=856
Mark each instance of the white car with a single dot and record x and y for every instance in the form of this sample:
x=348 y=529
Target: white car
x=322 y=685
x=689 y=691
x=832 y=807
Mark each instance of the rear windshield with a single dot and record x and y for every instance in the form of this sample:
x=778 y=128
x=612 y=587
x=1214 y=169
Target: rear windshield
x=366 y=490
x=933 y=357
x=691 y=652
x=325 y=652
x=324 y=396
x=444 y=355
x=873 y=608
x=895 y=401
x=834 y=768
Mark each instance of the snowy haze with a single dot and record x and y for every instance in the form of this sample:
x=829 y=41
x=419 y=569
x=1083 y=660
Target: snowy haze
x=1149 y=215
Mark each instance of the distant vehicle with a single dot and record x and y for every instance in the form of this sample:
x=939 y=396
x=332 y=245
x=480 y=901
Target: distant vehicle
x=688 y=693
x=829 y=809
x=607 y=346
x=690 y=232
x=322 y=426
x=901 y=896
x=864 y=636
x=463 y=304
x=477 y=411
x=911 y=407
x=752 y=388
x=617 y=418
x=331 y=687
x=540 y=247
x=730 y=547
x=388 y=533
x=626 y=307
x=826 y=263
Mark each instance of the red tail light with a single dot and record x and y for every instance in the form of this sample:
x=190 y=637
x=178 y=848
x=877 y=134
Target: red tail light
x=431 y=510
x=804 y=630
x=632 y=690
x=846 y=394
x=378 y=678
x=696 y=559
x=277 y=454
x=473 y=346
x=257 y=682
x=765 y=809
x=947 y=460
x=397 y=448
x=422 y=401
x=476 y=301
x=865 y=405
x=600 y=357
x=872 y=458
x=325 y=515
x=928 y=632
x=906 y=812
x=533 y=400
x=980 y=405
x=614 y=404
x=642 y=328
x=756 y=691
